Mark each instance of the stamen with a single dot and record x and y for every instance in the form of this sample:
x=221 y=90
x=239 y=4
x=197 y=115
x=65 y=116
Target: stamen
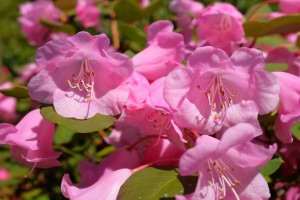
x=220 y=177
x=84 y=81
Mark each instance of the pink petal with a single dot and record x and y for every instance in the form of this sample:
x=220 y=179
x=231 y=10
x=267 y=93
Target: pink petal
x=211 y=58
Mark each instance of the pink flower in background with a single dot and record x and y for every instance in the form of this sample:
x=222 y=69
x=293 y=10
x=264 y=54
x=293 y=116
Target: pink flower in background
x=220 y=25
x=102 y=181
x=183 y=9
x=8 y=105
x=293 y=193
x=186 y=6
x=144 y=3
x=29 y=71
x=88 y=13
x=31 y=14
x=81 y=77
x=31 y=141
x=228 y=168
x=4 y=174
x=289 y=6
x=164 y=53
x=283 y=55
x=213 y=85
x=289 y=107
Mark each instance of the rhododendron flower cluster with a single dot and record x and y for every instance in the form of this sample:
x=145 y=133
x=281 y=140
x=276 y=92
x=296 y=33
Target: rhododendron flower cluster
x=197 y=100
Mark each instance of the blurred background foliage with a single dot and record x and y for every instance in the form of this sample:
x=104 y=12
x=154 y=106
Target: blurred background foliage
x=15 y=52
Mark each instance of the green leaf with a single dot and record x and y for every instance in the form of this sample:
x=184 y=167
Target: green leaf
x=271 y=167
x=106 y=151
x=156 y=183
x=96 y=123
x=275 y=67
x=134 y=34
x=264 y=9
x=272 y=40
x=63 y=135
x=128 y=10
x=16 y=91
x=280 y=25
x=156 y=4
x=58 y=27
x=296 y=131
x=65 y=5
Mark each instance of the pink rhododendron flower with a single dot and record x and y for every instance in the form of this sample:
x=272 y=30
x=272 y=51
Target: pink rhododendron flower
x=289 y=108
x=162 y=150
x=220 y=24
x=156 y=117
x=102 y=181
x=8 y=105
x=88 y=13
x=31 y=14
x=164 y=53
x=4 y=174
x=289 y=6
x=139 y=89
x=228 y=168
x=212 y=85
x=31 y=141
x=81 y=77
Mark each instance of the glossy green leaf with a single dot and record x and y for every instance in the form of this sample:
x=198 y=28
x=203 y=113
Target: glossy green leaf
x=96 y=123
x=128 y=10
x=18 y=92
x=271 y=167
x=59 y=27
x=296 y=131
x=156 y=183
x=63 y=135
x=280 y=25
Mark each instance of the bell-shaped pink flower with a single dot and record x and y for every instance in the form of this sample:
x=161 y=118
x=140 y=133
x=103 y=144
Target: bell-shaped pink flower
x=213 y=85
x=220 y=24
x=289 y=6
x=164 y=53
x=81 y=77
x=31 y=14
x=228 y=168
x=88 y=14
x=102 y=181
x=156 y=117
x=31 y=141
x=289 y=108
x=8 y=105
